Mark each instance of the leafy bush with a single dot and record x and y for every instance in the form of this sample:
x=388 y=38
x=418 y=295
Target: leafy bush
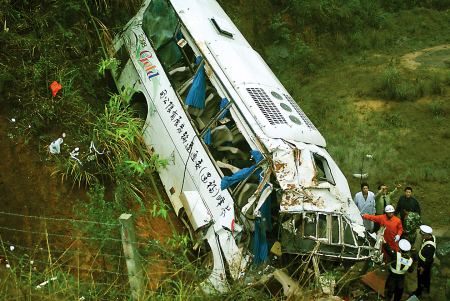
x=394 y=86
x=436 y=84
x=437 y=109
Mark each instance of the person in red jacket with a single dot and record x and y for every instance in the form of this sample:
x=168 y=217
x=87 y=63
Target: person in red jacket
x=394 y=228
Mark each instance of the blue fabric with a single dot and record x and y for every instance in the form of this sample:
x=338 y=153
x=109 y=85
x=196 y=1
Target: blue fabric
x=197 y=93
x=207 y=138
x=257 y=156
x=236 y=177
x=223 y=103
x=241 y=174
x=266 y=211
x=179 y=34
x=260 y=248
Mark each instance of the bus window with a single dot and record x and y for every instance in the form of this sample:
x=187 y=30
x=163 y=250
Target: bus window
x=335 y=229
x=348 y=238
x=310 y=225
x=322 y=229
x=322 y=169
x=159 y=23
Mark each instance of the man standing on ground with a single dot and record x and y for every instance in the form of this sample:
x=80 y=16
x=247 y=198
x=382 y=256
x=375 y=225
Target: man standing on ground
x=401 y=262
x=426 y=258
x=407 y=199
x=382 y=199
x=394 y=228
x=365 y=201
x=410 y=225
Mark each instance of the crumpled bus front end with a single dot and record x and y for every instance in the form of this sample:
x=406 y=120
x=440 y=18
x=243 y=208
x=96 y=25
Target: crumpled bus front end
x=316 y=214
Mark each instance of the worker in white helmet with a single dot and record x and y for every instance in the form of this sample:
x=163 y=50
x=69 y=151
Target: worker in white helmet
x=401 y=262
x=426 y=258
x=394 y=228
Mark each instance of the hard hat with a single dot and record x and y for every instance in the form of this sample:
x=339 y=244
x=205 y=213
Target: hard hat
x=404 y=245
x=389 y=209
x=424 y=230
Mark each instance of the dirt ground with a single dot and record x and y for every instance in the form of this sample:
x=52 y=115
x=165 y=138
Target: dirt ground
x=29 y=188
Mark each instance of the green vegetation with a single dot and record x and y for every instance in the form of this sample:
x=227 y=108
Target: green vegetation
x=343 y=61
x=359 y=76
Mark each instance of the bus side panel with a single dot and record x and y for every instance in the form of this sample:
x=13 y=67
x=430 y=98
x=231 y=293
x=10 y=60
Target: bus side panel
x=184 y=145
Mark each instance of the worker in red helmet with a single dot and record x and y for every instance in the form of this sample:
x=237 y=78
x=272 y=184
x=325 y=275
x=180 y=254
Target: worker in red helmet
x=394 y=228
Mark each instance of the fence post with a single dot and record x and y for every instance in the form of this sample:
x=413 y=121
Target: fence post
x=133 y=263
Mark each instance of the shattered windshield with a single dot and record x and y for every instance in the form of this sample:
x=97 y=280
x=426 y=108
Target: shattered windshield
x=159 y=22
x=322 y=169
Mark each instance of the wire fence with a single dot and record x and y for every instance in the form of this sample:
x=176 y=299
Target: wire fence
x=89 y=254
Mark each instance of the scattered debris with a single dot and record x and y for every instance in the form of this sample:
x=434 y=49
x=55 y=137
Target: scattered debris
x=93 y=147
x=45 y=282
x=290 y=287
x=13 y=119
x=276 y=249
x=55 y=146
x=375 y=282
x=328 y=284
x=55 y=88
x=75 y=153
x=360 y=176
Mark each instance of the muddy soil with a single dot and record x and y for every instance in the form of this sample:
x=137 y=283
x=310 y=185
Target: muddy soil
x=30 y=188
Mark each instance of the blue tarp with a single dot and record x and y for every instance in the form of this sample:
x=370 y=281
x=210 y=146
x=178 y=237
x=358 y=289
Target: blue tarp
x=223 y=103
x=236 y=177
x=197 y=93
x=207 y=138
x=260 y=246
x=241 y=174
x=266 y=211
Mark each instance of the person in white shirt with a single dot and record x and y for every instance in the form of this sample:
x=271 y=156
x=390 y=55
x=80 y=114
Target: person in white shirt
x=365 y=201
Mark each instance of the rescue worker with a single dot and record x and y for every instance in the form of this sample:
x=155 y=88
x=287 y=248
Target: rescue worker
x=426 y=258
x=410 y=225
x=394 y=228
x=400 y=263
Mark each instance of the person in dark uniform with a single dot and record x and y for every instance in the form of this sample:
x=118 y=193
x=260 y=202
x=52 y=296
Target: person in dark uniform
x=426 y=258
x=407 y=199
x=400 y=263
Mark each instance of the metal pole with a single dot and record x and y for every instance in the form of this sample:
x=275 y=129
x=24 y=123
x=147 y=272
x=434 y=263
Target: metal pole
x=378 y=298
x=316 y=270
x=133 y=263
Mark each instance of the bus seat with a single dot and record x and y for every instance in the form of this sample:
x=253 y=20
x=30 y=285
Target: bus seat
x=245 y=194
x=212 y=106
x=184 y=91
x=233 y=153
x=237 y=138
x=220 y=135
x=232 y=168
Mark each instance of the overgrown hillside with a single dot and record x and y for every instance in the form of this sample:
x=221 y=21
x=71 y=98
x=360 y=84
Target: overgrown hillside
x=374 y=78
x=372 y=75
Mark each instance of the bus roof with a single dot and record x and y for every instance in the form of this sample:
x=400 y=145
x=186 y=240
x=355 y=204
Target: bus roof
x=246 y=72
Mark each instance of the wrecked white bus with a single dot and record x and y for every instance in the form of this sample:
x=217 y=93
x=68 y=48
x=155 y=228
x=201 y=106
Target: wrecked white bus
x=247 y=167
